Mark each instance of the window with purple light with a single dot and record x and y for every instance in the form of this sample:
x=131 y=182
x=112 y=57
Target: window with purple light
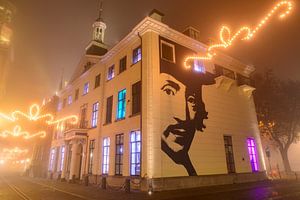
x=252 y=154
x=199 y=66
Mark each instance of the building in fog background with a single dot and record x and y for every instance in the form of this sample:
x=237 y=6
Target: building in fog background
x=7 y=11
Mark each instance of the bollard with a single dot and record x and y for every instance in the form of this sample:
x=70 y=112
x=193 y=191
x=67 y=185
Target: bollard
x=103 y=183
x=127 y=185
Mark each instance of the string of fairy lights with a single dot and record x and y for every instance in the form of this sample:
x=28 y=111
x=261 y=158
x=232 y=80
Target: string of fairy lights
x=244 y=33
x=34 y=114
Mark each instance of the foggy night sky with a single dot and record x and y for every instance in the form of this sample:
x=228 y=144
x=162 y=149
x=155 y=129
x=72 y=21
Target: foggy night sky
x=52 y=35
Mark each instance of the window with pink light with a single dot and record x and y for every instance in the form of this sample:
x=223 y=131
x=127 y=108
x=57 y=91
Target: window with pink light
x=252 y=154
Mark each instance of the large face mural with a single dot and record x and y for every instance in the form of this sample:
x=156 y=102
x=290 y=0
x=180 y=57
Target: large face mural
x=181 y=91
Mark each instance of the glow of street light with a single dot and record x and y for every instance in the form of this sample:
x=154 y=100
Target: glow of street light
x=245 y=33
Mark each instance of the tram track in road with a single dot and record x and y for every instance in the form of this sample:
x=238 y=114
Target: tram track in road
x=15 y=189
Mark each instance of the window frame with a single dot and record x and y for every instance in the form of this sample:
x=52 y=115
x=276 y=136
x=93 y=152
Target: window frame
x=76 y=94
x=97 y=81
x=229 y=163
x=95 y=114
x=137 y=162
x=136 y=57
x=91 y=156
x=86 y=87
x=163 y=42
x=121 y=67
x=121 y=106
x=136 y=105
x=70 y=99
x=109 y=110
x=105 y=157
x=254 y=163
x=111 y=73
x=62 y=157
x=119 y=155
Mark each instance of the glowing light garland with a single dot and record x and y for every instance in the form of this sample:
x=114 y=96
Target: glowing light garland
x=17 y=132
x=15 y=150
x=34 y=115
x=245 y=33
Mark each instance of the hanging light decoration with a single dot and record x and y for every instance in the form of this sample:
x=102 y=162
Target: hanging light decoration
x=244 y=33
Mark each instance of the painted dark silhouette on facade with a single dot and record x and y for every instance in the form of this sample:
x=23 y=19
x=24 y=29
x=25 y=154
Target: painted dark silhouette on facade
x=184 y=85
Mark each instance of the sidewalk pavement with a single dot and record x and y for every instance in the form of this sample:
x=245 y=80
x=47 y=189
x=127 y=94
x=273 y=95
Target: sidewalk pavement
x=92 y=192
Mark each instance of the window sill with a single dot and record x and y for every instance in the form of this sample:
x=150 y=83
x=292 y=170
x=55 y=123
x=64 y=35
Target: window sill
x=107 y=123
x=135 y=114
x=117 y=120
x=135 y=63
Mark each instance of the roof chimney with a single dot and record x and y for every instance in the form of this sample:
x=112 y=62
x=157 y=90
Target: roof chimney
x=192 y=32
x=157 y=15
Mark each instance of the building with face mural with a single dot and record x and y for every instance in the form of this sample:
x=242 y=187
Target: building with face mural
x=7 y=10
x=144 y=116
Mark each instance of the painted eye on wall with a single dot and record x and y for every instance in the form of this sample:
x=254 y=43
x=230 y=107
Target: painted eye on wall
x=191 y=99
x=169 y=91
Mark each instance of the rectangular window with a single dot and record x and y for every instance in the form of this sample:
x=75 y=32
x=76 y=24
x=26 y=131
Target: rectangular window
x=136 y=98
x=62 y=158
x=86 y=88
x=109 y=104
x=105 y=164
x=52 y=157
x=70 y=99
x=76 y=94
x=135 y=153
x=167 y=51
x=64 y=102
x=119 y=154
x=229 y=154
x=91 y=156
x=199 y=66
x=137 y=55
x=121 y=104
x=111 y=72
x=97 y=81
x=252 y=154
x=123 y=64
x=95 y=114
x=59 y=106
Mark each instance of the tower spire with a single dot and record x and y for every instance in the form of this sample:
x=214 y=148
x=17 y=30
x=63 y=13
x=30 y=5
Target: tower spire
x=100 y=11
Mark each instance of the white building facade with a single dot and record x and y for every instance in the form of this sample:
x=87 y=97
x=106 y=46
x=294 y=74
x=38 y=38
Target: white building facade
x=144 y=116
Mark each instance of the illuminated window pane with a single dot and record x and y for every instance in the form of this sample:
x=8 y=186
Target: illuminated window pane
x=121 y=104
x=136 y=55
x=135 y=153
x=252 y=154
x=105 y=163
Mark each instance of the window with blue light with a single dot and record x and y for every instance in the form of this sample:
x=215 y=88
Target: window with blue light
x=135 y=153
x=137 y=55
x=199 y=66
x=105 y=161
x=86 y=88
x=95 y=114
x=111 y=72
x=121 y=104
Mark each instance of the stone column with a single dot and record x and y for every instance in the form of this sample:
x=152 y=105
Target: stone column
x=63 y=172
x=74 y=158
